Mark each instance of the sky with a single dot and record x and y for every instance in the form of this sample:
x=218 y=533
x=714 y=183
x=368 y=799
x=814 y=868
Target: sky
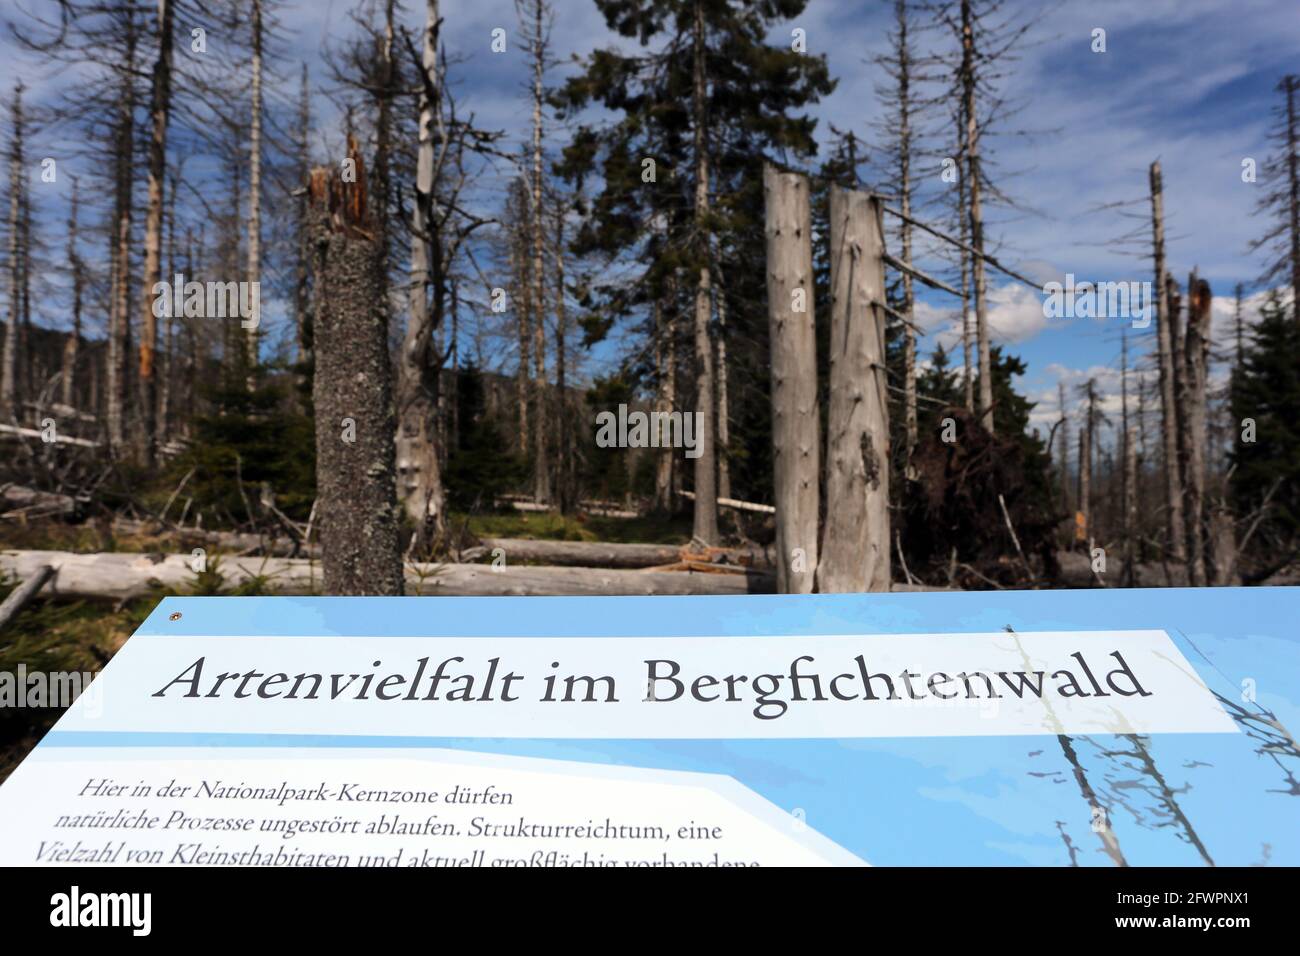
x=1188 y=82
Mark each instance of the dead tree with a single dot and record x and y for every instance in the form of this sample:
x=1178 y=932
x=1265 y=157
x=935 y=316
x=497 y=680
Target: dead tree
x=1166 y=321
x=352 y=392
x=856 y=539
x=160 y=110
x=119 y=334
x=705 y=522
x=535 y=16
x=302 y=285
x=796 y=420
x=1281 y=201
x=903 y=103
x=254 y=268
x=417 y=449
x=971 y=142
x=1196 y=353
x=9 y=398
x=72 y=347
x=439 y=229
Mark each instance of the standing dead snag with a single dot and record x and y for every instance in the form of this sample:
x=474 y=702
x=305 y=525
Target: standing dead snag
x=417 y=441
x=796 y=421
x=1166 y=320
x=855 y=545
x=352 y=391
x=1196 y=353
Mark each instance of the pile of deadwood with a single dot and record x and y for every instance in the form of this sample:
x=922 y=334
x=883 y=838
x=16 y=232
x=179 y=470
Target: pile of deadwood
x=493 y=566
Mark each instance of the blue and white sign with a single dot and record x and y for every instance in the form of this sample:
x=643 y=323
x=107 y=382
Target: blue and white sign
x=1044 y=728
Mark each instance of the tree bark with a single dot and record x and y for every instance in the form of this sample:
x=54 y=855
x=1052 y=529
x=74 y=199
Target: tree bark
x=856 y=539
x=796 y=420
x=355 y=420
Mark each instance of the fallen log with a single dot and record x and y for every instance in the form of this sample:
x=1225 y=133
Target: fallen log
x=118 y=575
x=600 y=554
x=17 y=501
x=1076 y=572
x=234 y=542
x=20 y=595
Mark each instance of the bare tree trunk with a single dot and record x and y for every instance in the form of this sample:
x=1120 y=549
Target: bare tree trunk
x=9 y=398
x=856 y=539
x=1085 y=465
x=724 y=425
x=705 y=525
x=1293 y=180
x=119 y=337
x=417 y=446
x=72 y=347
x=1196 y=356
x=796 y=419
x=567 y=491
x=524 y=311
x=1130 y=507
x=352 y=391
x=541 y=467
x=160 y=109
x=255 y=185
x=1065 y=448
x=301 y=295
x=968 y=376
x=169 y=349
x=1166 y=320
x=976 y=216
x=903 y=65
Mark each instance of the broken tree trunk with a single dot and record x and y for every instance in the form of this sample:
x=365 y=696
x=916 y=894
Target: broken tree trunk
x=352 y=391
x=855 y=543
x=796 y=424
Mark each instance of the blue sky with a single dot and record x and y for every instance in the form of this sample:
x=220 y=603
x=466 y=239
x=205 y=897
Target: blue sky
x=1190 y=82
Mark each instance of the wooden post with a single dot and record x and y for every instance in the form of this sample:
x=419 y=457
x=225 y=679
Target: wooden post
x=796 y=421
x=855 y=548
